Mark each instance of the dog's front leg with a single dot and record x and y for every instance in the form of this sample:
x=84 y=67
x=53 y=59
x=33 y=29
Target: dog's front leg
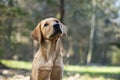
x=44 y=74
x=56 y=73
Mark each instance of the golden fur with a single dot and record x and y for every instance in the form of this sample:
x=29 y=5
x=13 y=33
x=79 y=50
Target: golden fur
x=48 y=61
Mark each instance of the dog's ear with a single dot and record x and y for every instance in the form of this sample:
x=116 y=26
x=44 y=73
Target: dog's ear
x=64 y=30
x=36 y=33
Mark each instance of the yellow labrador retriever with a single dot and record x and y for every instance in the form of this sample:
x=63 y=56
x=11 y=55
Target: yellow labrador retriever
x=48 y=61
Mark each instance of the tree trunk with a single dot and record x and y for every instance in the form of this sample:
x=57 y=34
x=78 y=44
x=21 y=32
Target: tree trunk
x=62 y=11
x=91 y=43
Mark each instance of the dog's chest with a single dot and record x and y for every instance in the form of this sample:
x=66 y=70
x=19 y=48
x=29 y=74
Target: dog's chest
x=45 y=60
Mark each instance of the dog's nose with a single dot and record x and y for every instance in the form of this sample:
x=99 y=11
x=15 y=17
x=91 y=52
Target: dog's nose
x=56 y=27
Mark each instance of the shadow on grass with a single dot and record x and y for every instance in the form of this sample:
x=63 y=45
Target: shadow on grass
x=112 y=76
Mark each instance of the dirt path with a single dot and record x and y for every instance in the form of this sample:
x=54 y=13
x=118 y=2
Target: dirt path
x=7 y=73
x=14 y=74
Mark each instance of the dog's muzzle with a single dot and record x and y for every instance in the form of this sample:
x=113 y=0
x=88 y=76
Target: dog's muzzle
x=57 y=28
x=57 y=31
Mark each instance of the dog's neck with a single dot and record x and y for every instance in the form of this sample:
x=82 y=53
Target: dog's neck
x=47 y=48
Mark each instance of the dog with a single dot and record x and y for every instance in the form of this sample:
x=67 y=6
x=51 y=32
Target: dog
x=48 y=61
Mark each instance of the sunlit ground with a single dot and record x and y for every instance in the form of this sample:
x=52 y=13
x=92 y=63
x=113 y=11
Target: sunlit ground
x=73 y=72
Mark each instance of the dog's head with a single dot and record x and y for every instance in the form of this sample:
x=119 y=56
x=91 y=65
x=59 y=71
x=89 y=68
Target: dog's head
x=50 y=28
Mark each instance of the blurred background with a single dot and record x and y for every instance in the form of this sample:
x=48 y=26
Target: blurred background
x=93 y=41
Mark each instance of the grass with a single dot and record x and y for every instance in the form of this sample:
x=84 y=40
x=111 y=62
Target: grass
x=101 y=72
x=17 y=64
x=94 y=72
x=95 y=69
x=71 y=68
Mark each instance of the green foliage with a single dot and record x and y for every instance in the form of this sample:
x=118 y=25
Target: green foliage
x=115 y=55
x=1 y=51
x=18 y=18
x=13 y=23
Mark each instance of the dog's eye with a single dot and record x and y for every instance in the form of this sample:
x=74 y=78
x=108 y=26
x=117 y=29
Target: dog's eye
x=56 y=21
x=46 y=24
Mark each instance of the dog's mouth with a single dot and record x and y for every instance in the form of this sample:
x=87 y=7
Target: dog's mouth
x=56 y=34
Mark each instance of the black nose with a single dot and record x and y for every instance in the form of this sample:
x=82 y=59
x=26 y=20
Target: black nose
x=57 y=27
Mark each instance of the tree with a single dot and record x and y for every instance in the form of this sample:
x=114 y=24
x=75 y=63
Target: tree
x=62 y=11
x=91 y=42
